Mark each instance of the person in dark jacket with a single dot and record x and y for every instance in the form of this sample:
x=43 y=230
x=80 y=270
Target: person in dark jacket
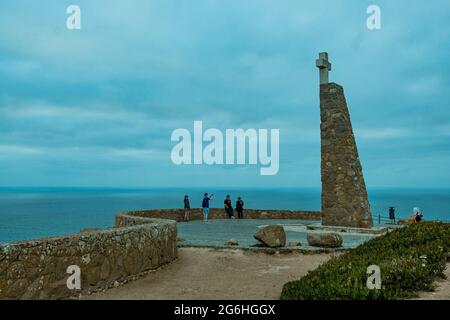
x=228 y=207
x=187 y=208
x=240 y=208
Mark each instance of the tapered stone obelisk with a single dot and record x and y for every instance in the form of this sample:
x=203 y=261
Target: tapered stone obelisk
x=344 y=194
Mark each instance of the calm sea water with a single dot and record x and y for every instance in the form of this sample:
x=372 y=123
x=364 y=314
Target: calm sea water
x=27 y=213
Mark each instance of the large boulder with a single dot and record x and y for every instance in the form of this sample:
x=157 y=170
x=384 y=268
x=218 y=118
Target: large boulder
x=324 y=239
x=272 y=236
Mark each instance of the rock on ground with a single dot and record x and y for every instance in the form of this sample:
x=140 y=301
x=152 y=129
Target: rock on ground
x=272 y=236
x=324 y=239
x=232 y=242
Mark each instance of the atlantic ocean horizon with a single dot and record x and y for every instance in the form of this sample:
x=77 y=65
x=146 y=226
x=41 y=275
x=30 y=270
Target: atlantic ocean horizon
x=37 y=212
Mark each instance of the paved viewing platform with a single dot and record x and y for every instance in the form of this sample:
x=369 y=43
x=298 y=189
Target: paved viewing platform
x=215 y=233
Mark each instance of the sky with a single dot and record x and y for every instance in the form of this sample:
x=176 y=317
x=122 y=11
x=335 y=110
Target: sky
x=97 y=106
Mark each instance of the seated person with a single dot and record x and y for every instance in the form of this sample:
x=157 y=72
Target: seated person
x=418 y=217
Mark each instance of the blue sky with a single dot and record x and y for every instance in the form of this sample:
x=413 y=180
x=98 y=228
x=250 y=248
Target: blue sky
x=97 y=106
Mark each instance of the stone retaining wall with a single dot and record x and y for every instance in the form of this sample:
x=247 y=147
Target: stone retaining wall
x=122 y=219
x=141 y=241
x=36 y=269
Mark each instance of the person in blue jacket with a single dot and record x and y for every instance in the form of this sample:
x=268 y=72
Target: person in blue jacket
x=205 y=205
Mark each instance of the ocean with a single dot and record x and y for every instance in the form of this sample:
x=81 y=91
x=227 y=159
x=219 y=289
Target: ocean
x=29 y=213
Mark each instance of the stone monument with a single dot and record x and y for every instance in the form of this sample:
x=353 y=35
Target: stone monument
x=344 y=195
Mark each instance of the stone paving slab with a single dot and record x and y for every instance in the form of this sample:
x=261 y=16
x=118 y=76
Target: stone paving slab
x=215 y=233
x=373 y=230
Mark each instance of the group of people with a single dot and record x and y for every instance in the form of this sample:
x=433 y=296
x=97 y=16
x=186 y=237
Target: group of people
x=229 y=208
x=205 y=206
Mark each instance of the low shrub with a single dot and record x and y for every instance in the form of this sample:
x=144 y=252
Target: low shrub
x=410 y=259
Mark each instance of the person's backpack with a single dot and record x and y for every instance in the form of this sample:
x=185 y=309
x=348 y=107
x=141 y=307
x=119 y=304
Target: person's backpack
x=204 y=203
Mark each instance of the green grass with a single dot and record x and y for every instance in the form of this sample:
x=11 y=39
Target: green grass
x=410 y=259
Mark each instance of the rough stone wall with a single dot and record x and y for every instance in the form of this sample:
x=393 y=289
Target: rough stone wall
x=122 y=219
x=37 y=269
x=141 y=241
x=344 y=196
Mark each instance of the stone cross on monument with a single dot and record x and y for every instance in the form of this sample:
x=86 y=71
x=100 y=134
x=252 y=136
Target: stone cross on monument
x=324 y=66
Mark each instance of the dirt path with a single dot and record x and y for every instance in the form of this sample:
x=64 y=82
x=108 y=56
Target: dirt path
x=218 y=274
x=231 y=274
x=442 y=291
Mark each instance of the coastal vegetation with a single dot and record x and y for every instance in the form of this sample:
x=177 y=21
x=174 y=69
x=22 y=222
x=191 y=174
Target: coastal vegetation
x=410 y=260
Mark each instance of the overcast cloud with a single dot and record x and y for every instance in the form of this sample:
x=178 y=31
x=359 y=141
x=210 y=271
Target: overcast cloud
x=96 y=107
